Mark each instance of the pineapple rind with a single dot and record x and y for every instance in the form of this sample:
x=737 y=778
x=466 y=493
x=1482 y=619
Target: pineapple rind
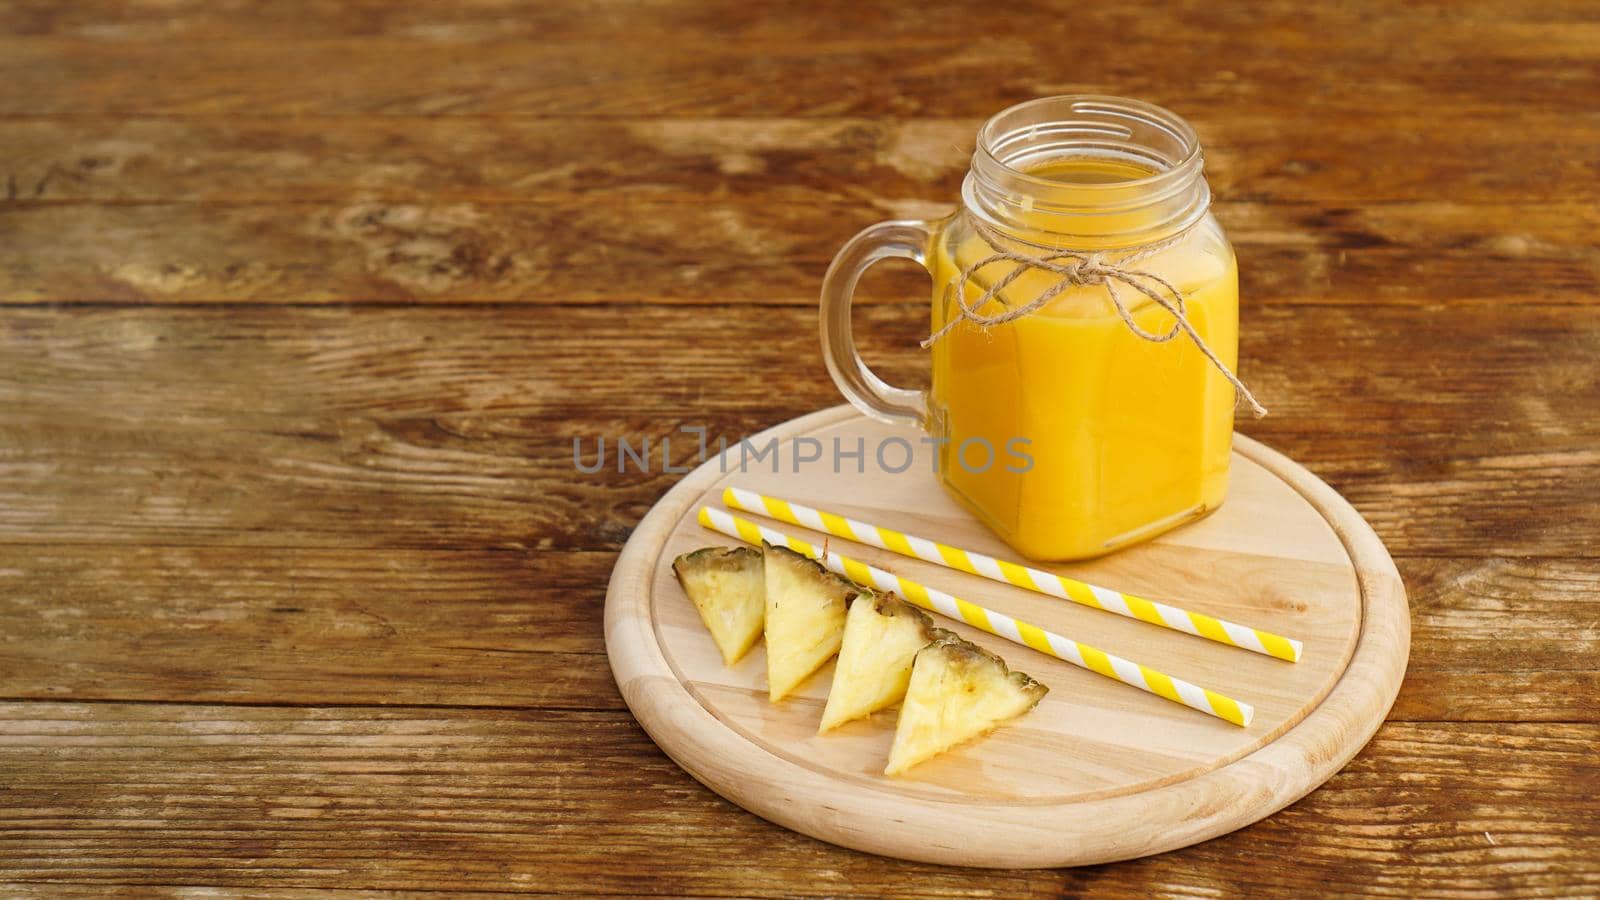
x=727 y=588
x=958 y=691
x=881 y=640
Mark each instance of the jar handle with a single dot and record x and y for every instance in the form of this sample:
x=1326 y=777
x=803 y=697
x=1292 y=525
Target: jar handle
x=904 y=239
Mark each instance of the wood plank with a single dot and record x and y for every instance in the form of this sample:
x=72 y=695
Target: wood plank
x=455 y=428
x=477 y=799
x=1497 y=639
x=179 y=624
x=1506 y=614
x=109 y=891
x=1493 y=639
x=1287 y=156
x=1424 y=809
x=847 y=59
x=590 y=20
x=623 y=249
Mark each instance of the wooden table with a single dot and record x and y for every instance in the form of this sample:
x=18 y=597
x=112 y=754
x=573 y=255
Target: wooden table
x=305 y=305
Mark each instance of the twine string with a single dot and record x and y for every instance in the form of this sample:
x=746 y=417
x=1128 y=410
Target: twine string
x=1074 y=268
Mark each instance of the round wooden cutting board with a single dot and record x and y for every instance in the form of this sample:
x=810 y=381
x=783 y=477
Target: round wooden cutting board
x=1098 y=771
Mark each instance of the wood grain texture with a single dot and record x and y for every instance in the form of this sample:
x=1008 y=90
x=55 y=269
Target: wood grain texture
x=302 y=304
x=313 y=797
x=226 y=625
x=851 y=58
x=757 y=251
x=1250 y=158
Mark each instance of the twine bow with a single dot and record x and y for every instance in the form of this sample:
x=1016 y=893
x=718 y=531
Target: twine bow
x=1075 y=268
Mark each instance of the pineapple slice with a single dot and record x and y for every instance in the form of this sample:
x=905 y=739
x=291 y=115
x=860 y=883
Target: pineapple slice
x=726 y=586
x=805 y=617
x=958 y=691
x=882 y=635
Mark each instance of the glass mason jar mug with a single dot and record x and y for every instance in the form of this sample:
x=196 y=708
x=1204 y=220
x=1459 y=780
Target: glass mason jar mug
x=1085 y=328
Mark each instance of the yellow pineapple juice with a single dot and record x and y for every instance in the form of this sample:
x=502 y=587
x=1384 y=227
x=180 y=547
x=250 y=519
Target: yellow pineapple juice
x=1127 y=437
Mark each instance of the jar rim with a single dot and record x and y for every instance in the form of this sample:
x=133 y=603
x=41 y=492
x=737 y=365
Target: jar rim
x=990 y=136
x=1174 y=195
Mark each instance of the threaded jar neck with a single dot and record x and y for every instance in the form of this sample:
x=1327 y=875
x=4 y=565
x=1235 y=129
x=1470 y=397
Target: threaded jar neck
x=1091 y=172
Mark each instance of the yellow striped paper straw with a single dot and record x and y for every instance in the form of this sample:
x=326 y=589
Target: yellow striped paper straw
x=998 y=624
x=1162 y=614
